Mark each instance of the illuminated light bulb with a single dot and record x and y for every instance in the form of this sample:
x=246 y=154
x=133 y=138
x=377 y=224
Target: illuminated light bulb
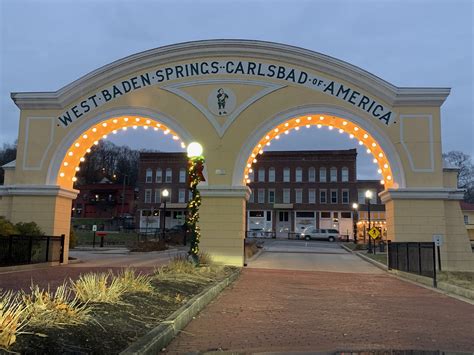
x=351 y=136
x=309 y=118
x=321 y=118
x=319 y=126
x=382 y=182
x=167 y=131
x=356 y=129
x=374 y=161
x=374 y=145
x=148 y=121
x=145 y=127
x=268 y=144
x=385 y=166
x=104 y=124
x=341 y=131
x=260 y=151
x=267 y=137
x=61 y=174
x=158 y=125
x=298 y=120
x=104 y=136
x=183 y=145
x=277 y=137
x=381 y=155
x=360 y=142
x=368 y=151
x=88 y=150
x=344 y=123
x=253 y=155
x=249 y=165
x=155 y=128
x=125 y=119
x=82 y=159
x=259 y=145
x=250 y=170
x=94 y=129
x=70 y=154
x=389 y=177
x=74 y=179
x=246 y=176
x=84 y=136
x=114 y=131
x=330 y=128
x=365 y=136
x=379 y=171
x=255 y=160
x=248 y=181
x=307 y=126
x=96 y=142
x=124 y=128
x=65 y=163
x=134 y=127
x=287 y=132
x=137 y=119
x=297 y=128
x=275 y=130
x=77 y=145
x=114 y=121
x=78 y=168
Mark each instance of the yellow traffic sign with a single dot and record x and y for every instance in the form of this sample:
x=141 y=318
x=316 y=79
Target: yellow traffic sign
x=374 y=232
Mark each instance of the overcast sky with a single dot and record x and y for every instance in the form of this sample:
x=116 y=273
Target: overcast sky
x=46 y=44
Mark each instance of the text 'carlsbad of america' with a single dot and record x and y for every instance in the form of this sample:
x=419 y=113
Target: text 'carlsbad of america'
x=228 y=67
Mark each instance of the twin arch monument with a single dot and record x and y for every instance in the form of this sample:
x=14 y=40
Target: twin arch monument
x=234 y=97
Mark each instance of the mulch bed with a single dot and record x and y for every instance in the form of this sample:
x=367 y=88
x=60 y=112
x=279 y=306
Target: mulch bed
x=115 y=326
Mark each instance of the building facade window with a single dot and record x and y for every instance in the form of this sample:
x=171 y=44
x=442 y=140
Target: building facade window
x=252 y=196
x=286 y=196
x=311 y=174
x=251 y=176
x=286 y=175
x=333 y=196
x=322 y=175
x=182 y=196
x=271 y=196
x=299 y=175
x=261 y=175
x=148 y=196
x=157 y=195
x=311 y=196
x=169 y=175
x=466 y=219
x=149 y=175
x=345 y=196
x=344 y=174
x=271 y=175
x=159 y=175
x=333 y=177
x=323 y=196
x=182 y=175
x=298 y=195
x=261 y=195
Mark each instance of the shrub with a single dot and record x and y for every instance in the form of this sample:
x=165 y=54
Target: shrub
x=48 y=309
x=185 y=270
x=133 y=282
x=28 y=228
x=11 y=318
x=205 y=259
x=6 y=227
x=95 y=287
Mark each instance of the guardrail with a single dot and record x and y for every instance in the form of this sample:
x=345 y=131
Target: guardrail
x=20 y=249
x=260 y=234
x=413 y=257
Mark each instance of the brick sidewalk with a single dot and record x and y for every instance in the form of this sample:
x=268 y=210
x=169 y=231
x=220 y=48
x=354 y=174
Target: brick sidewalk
x=277 y=310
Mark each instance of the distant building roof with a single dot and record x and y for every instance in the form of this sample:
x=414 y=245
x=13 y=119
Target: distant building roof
x=465 y=206
x=9 y=165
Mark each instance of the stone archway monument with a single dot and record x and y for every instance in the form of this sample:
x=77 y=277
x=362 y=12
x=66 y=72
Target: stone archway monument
x=234 y=97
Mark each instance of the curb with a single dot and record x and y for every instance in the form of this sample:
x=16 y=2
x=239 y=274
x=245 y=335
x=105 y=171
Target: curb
x=366 y=258
x=160 y=336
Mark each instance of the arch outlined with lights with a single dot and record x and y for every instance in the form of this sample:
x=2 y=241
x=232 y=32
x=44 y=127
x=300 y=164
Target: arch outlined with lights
x=389 y=163
x=93 y=130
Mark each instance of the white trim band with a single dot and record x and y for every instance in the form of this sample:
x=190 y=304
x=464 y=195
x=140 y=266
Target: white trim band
x=421 y=194
x=38 y=190
x=225 y=191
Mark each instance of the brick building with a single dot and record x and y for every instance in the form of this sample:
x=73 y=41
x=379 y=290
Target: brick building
x=290 y=191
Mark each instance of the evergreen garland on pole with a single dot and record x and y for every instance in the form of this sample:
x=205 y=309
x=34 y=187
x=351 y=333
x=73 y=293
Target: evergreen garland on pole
x=195 y=168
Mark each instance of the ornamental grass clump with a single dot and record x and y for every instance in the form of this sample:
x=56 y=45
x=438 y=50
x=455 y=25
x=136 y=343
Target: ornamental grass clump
x=132 y=281
x=55 y=309
x=96 y=287
x=12 y=319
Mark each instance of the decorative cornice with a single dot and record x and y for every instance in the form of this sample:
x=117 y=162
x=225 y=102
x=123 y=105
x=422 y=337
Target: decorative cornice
x=38 y=190
x=225 y=191
x=421 y=194
x=394 y=96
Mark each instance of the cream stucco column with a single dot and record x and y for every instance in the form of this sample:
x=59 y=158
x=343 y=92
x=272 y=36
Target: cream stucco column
x=222 y=222
x=47 y=205
x=415 y=214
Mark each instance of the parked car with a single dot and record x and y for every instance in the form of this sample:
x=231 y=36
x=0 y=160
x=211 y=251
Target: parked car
x=320 y=234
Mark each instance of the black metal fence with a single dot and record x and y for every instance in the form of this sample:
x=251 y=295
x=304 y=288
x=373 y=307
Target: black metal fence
x=19 y=249
x=260 y=234
x=413 y=257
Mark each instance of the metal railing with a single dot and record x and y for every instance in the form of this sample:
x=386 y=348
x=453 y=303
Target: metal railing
x=19 y=249
x=413 y=257
x=260 y=234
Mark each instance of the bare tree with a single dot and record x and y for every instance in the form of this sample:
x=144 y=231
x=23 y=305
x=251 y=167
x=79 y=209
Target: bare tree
x=463 y=162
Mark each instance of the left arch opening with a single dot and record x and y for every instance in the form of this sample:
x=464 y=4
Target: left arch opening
x=333 y=122
x=78 y=150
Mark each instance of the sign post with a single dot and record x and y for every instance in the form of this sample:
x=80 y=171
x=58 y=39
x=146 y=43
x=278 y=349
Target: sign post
x=374 y=233
x=94 y=229
x=438 y=240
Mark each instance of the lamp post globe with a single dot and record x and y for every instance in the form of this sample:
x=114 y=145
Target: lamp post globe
x=165 y=193
x=355 y=206
x=194 y=150
x=368 y=197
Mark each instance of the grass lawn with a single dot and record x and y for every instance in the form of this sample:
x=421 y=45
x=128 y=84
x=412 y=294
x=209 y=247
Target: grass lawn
x=86 y=237
x=380 y=257
x=457 y=278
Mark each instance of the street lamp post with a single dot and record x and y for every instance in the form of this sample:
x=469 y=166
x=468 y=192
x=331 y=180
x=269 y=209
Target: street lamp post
x=123 y=198
x=165 y=193
x=355 y=206
x=368 y=197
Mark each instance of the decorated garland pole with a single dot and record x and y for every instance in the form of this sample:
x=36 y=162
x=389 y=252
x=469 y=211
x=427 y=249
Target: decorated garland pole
x=195 y=176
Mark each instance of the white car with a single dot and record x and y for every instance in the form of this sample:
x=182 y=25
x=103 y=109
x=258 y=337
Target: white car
x=330 y=235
